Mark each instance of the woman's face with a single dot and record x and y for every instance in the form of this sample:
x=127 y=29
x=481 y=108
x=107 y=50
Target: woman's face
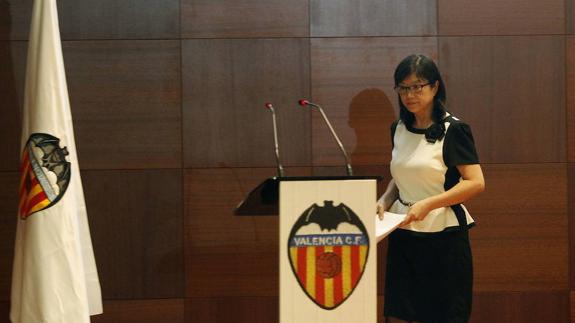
x=417 y=94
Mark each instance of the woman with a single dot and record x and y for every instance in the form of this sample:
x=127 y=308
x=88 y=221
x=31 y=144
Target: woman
x=434 y=168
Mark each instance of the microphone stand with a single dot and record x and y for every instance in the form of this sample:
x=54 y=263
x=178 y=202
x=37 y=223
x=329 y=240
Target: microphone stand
x=349 y=170
x=277 y=149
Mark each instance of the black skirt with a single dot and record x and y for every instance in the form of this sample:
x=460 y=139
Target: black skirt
x=429 y=277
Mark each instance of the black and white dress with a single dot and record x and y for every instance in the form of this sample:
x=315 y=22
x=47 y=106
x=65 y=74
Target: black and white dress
x=429 y=267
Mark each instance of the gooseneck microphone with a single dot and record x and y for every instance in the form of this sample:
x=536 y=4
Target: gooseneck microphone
x=270 y=107
x=303 y=103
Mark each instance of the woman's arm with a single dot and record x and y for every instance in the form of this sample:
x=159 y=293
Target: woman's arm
x=387 y=199
x=471 y=184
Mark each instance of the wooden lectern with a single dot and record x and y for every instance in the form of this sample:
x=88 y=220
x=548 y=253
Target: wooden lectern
x=327 y=246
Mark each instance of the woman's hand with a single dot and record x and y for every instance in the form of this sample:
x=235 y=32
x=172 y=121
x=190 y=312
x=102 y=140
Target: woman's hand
x=387 y=199
x=380 y=210
x=417 y=212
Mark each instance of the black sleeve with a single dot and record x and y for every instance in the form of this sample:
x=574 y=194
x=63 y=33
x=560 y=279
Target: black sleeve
x=393 y=127
x=459 y=146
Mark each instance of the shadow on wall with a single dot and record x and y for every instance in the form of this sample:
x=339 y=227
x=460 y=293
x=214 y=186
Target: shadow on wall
x=370 y=115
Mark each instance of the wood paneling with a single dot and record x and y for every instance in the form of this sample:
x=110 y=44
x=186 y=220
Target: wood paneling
x=126 y=19
x=372 y=18
x=136 y=226
x=137 y=311
x=232 y=309
x=226 y=83
x=571 y=215
x=353 y=80
x=520 y=307
x=494 y=17
x=4 y=312
x=359 y=170
x=229 y=255
x=15 y=16
x=521 y=239
x=569 y=17
x=244 y=18
x=570 y=93
x=9 y=182
x=107 y=19
x=12 y=70
x=496 y=307
x=572 y=306
x=237 y=271
x=126 y=103
x=163 y=232
x=511 y=91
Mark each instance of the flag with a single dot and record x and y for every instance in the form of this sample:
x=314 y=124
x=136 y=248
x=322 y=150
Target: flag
x=54 y=276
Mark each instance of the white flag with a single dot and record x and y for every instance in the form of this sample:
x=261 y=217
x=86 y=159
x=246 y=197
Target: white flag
x=54 y=276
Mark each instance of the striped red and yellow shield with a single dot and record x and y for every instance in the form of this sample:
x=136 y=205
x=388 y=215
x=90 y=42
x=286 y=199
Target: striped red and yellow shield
x=328 y=268
x=32 y=195
x=44 y=174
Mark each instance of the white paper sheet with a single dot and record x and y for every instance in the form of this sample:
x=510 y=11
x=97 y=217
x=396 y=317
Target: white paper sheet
x=389 y=223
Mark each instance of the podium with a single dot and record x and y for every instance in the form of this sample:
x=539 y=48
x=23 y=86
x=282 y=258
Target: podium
x=327 y=246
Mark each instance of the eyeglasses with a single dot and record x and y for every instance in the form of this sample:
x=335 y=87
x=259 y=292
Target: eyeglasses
x=415 y=89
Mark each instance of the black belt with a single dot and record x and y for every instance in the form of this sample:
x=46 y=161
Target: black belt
x=457 y=209
x=408 y=204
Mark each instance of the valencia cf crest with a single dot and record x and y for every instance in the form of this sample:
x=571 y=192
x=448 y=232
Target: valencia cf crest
x=45 y=174
x=328 y=248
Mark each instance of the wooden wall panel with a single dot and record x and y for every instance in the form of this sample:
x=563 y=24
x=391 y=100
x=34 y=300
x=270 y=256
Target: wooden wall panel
x=112 y=19
x=232 y=309
x=569 y=17
x=15 y=16
x=137 y=311
x=137 y=233
x=126 y=103
x=226 y=83
x=494 y=17
x=496 y=307
x=570 y=96
x=521 y=239
x=345 y=18
x=520 y=307
x=511 y=91
x=572 y=306
x=4 y=312
x=359 y=170
x=12 y=70
x=228 y=255
x=109 y=19
x=9 y=182
x=571 y=215
x=244 y=18
x=352 y=78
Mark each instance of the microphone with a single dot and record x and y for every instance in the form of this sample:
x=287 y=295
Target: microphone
x=303 y=103
x=270 y=107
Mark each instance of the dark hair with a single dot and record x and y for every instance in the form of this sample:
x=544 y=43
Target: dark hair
x=424 y=68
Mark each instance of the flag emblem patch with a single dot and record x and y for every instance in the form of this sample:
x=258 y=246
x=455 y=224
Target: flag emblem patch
x=44 y=174
x=328 y=248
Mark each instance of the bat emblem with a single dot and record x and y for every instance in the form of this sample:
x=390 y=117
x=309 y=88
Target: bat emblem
x=328 y=247
x=45 y=174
